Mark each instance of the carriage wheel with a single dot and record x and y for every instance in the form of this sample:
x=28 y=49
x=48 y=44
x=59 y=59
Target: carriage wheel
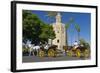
x=41 y=53
x=70 y=53
x=55 y=53
x=86 y=53
x=51 y=53
x=78 y=53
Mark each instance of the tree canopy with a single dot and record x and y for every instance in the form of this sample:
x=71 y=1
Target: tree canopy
x=36 y=30
x=84 y=43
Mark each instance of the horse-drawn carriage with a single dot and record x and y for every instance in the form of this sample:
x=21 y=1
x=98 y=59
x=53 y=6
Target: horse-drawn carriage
x=52 y=51
x=80 y=51
x=41 y=50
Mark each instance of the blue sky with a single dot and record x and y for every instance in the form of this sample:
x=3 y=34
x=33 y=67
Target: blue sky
x=82 y=19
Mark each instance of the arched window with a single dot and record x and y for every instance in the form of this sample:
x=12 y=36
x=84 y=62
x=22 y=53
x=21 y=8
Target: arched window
x=57 y=41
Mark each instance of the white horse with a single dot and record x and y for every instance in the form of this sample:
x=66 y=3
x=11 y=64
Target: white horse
x=29 y=46
x=46 y=47
x=32 y=47
x=36 y=48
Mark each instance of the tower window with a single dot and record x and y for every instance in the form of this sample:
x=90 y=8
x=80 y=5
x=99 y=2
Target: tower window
x=57 y=41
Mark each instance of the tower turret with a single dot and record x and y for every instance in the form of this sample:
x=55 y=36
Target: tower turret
x=58 y=18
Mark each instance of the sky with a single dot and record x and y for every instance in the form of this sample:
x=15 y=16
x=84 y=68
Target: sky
x=82 y=19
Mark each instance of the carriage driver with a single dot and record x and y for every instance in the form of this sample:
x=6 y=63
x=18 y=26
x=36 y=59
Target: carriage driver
x=75 y=45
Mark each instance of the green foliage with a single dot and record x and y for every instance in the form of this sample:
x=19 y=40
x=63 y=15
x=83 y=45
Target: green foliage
x=25 y=14
x=51 y=14
x=71 y=20
x=47 y=32
x=36 y=30
x=77 y=27
x=67 y=26
x=84 y=43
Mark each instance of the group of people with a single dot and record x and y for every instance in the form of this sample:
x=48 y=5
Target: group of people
x=76 y=45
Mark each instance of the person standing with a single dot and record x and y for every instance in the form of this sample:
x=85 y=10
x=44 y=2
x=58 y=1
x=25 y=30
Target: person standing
x=75 y=45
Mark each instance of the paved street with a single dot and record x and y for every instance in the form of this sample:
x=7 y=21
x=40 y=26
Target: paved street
x=43 y=59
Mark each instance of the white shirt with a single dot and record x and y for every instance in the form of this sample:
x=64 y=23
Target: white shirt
x=75 y=43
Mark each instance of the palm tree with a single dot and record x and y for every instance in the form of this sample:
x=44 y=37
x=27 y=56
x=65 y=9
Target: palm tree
x=77 y=27
x=71 y=20
x=67 y=26
x=51 y=15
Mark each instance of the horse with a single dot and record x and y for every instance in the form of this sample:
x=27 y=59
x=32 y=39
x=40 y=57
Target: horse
x=36 y=49
x=46 y=47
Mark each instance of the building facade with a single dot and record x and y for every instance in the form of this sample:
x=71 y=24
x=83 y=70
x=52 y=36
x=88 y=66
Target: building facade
x=60 y=32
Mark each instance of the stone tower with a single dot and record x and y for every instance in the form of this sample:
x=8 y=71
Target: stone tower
x=60 y=32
